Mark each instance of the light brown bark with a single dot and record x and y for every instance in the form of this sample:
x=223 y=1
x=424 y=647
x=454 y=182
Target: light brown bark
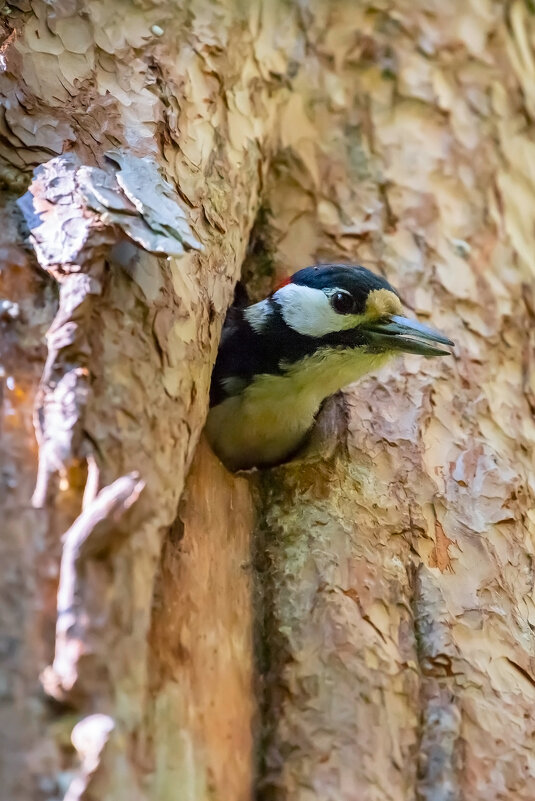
x=395 y=561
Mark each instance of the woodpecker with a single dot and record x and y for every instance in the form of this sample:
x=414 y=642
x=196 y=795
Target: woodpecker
x=279 y=359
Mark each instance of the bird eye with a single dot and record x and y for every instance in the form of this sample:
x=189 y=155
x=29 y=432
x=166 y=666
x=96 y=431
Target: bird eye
x=342 y=302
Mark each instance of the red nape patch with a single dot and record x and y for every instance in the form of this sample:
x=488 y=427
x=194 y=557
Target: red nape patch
x=284 y=282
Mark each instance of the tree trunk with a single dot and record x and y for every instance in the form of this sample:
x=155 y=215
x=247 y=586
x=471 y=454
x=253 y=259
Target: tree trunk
x=356 y=625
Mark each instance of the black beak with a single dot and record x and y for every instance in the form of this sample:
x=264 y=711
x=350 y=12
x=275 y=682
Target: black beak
x=409 y=336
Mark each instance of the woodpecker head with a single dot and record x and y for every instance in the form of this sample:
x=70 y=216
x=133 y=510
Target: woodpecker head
x=343 y=306
x=321 y=330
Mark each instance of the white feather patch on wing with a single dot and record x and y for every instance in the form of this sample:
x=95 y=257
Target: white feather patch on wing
x=309 y=311
x=258 y=315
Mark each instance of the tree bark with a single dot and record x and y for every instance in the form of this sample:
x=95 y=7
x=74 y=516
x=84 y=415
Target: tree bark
x=160 y=149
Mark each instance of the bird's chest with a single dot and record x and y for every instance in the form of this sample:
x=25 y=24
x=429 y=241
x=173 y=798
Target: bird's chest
x=268 y=421
x=262 y=425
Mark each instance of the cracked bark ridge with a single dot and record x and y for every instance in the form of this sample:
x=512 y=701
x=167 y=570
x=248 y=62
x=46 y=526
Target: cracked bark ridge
x=440 y=754
x=81 y=650
x=75 y=215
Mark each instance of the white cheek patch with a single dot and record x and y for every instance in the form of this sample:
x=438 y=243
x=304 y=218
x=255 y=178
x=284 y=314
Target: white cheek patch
x=258 y=315
x=309 y=312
